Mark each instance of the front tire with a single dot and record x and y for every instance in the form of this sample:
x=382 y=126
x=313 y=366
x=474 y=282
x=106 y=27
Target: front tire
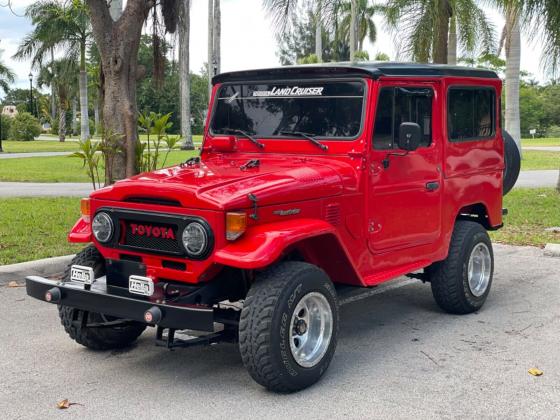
x=289 y=326
x=100 y=338
x=461 y=283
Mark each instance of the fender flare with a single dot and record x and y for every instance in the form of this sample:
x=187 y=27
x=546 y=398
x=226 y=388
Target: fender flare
x=262 y=245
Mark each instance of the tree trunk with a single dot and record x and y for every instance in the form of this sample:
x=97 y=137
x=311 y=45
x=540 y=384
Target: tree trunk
x=319 y=32
x=115 y=9
x=84 y=117
x=353 y=23
x=53 y=93
x=441 y=35
x=74 y=117
x=96 y=116
x=118 y=44
x=452 y=47
x=513 y=69
x=217 y=35
x=210 y=47
x=61 y=124
x=184 y=74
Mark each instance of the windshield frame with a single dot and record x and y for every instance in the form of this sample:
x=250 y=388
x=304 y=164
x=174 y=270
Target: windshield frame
x=291 y=81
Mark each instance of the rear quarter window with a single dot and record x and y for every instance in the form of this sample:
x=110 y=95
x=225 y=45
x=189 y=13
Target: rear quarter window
x=471 y=113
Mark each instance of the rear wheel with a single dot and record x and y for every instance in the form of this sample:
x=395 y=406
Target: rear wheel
x=101 y=337
x=288 y=326
x=461 y=282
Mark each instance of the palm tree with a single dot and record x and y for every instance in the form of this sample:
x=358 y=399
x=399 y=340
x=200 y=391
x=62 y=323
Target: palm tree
x=59 y=74
x=6 y=77
x=427 y=28
x=364 y=22
x=325 y=15
x=184 y=74
x=65 y=26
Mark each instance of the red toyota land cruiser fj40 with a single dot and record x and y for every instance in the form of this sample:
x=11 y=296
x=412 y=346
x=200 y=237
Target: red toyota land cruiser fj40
x=311 y=181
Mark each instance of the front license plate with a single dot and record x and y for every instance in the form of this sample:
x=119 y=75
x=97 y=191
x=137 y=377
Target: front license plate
x=82 y=274
x=141 y=285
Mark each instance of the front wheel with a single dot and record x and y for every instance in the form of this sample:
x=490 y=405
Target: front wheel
x=99 y=337
x=461 y=283
x=288 y=327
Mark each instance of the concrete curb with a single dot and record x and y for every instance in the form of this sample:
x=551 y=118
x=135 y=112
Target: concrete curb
x=552 y=250
x=44 y=267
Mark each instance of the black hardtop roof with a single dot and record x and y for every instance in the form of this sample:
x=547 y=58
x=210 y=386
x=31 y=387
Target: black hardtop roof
x=361 y=69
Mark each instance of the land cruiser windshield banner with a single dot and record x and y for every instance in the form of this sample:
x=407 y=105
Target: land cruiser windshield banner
x=322 y=109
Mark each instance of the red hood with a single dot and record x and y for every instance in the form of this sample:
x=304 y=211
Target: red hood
x=219 y=183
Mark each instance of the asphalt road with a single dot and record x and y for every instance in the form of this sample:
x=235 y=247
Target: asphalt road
x=398 y=357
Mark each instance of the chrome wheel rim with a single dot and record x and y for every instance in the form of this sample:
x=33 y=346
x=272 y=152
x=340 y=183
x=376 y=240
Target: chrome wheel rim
x=480 y=268
x=311 y=329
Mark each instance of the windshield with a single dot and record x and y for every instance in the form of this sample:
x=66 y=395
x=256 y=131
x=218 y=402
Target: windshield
x=321 y=109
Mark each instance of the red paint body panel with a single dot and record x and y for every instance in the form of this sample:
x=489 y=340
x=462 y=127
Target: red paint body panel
x=340 y=209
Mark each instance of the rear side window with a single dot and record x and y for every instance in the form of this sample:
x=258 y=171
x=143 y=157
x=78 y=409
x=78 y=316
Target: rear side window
x=397 y=105
x=471 y=114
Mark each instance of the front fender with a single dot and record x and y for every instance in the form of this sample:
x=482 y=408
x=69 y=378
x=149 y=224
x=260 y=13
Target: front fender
x=262 y=245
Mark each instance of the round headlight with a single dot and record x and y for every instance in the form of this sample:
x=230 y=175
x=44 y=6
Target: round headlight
x=102 y=227
x=195 y=238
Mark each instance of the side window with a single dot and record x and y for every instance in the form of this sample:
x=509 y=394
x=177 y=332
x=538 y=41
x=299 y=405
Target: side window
x=471 y=114
x=397 y=105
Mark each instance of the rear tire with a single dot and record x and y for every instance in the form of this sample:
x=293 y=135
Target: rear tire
x=105 y=338
x=288 y=327
x=461 y=283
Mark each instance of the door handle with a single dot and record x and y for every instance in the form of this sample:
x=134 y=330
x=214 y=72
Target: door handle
x=432 y=186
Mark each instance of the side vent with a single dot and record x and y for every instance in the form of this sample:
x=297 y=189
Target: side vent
x=153 y=200
x=332 y=214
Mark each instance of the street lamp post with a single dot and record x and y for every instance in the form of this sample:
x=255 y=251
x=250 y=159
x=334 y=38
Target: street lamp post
x=31 y=93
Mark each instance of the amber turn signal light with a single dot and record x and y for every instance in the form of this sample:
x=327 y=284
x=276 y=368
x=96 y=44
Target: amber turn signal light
x=85 y=209
x=236 y=223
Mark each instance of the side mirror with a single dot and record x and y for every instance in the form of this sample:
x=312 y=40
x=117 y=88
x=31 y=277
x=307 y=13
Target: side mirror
x=410 y=136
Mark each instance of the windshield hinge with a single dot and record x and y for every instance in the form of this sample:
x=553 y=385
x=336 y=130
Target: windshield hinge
x=253 y=163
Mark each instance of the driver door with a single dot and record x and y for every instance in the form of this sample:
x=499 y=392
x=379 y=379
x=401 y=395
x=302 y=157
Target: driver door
x=405 y=189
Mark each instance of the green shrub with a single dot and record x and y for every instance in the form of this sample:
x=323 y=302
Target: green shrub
x=6 y=122
x=553 y=131
x=24 y=127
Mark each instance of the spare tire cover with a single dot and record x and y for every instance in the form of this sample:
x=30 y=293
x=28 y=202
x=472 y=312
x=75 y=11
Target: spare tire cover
x=512 y=162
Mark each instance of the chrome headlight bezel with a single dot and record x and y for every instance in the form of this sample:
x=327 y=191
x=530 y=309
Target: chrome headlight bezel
x=204 y=235
x=103 y=217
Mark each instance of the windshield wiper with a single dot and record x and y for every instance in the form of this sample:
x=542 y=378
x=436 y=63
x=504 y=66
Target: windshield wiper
x=306 y=136
x=245 y=134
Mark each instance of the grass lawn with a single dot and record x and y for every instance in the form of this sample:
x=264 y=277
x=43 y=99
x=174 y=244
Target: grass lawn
x=34 y=228
x=541 y=142
x=533 y=160
x=60 y=168
x=38 y=146
x=143 y=137
x=531 y=211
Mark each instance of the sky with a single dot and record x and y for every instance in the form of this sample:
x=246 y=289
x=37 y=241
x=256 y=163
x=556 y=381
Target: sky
x=248 y=40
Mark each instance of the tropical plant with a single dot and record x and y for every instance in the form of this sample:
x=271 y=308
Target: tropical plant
x=64 y=26
x=5 y=124
x=90 y=153
x=149 y=153
x=24 y=127
x=60 y=75
x=424 y=28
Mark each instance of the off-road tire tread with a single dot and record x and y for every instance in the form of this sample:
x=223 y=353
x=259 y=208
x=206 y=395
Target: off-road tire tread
x=445 y=288
x=95 y=338
x=256 y=319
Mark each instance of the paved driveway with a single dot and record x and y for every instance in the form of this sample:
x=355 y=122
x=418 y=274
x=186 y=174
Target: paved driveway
x=36 y=189
x=398 y=357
